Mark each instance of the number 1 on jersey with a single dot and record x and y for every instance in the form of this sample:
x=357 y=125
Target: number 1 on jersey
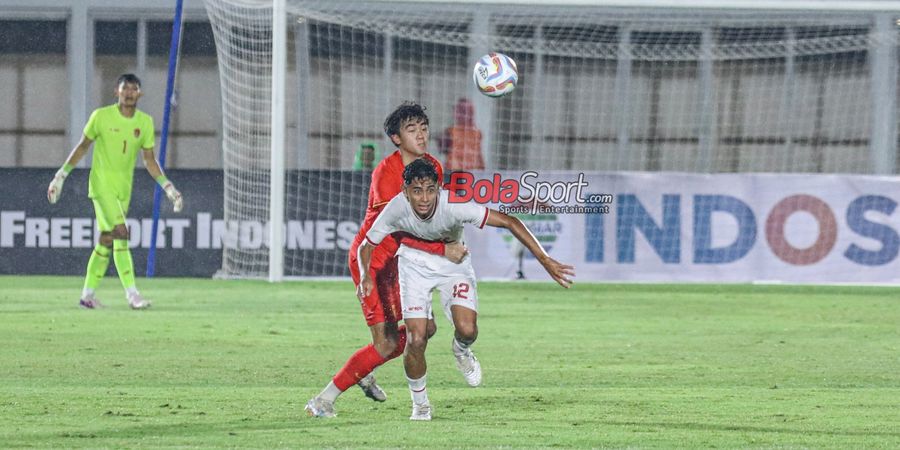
x=124 y=146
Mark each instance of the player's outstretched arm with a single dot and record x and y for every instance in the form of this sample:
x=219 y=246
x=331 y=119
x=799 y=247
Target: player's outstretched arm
x=156 y=172
x=55 y=189
x=560 y=272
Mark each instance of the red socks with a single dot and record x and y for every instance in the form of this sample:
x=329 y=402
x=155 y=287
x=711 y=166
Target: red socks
x=358 y=366
x=364 y=361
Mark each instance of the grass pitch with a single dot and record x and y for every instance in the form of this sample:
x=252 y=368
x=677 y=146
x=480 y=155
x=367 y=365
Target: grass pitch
x=232 y=363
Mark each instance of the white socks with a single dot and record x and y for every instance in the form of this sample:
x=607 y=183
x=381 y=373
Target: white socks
x=459 y=349
x=130 y=291
x=87 y=293
x=417 y=389
x=330 y=392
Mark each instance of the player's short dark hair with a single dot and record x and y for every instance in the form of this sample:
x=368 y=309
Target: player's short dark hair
x=419 y=169
x=403 y=113
x=128 y=78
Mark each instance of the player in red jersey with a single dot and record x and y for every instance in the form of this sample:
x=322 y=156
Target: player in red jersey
x=407 y=128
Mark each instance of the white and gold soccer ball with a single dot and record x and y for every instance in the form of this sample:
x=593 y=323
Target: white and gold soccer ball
x=495 y=74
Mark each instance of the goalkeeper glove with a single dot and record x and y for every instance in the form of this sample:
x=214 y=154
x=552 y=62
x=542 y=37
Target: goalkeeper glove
x=172 y=193
x=55 y=189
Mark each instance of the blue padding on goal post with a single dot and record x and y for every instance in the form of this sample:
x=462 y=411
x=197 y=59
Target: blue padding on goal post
x=163 y=140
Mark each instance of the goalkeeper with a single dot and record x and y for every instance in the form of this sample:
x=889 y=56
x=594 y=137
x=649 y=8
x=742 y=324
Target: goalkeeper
x=119 y=131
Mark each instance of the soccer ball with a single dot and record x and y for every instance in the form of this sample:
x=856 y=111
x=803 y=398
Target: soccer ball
x=495 y=75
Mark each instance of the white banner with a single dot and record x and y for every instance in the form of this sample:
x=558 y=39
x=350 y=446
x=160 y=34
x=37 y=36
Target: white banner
x=704 y=228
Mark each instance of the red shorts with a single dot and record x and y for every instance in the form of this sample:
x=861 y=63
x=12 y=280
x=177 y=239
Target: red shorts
x=383 y=304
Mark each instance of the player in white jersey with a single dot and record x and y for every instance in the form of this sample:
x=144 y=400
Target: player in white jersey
x=424 y=210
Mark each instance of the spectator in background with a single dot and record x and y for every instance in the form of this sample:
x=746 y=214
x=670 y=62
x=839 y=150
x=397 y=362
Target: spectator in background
x=462 y=141
x=366 y=157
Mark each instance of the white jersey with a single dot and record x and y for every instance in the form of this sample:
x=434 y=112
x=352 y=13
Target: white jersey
x=421 y=272
x=445 y=224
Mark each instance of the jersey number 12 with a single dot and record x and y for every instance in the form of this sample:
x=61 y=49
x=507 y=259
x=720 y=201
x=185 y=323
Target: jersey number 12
x=460 y=290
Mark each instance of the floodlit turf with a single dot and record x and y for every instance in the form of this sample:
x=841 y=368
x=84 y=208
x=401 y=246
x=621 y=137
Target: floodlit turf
x=231 y=364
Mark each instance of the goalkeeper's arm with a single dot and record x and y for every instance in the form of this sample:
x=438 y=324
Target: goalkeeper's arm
x=55 y=189
x=157 y=174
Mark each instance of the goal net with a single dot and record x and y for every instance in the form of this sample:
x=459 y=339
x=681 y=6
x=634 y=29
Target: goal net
x=600 y=89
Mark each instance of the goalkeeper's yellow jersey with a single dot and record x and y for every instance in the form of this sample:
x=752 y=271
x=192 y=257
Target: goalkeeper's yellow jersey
x=117 y=142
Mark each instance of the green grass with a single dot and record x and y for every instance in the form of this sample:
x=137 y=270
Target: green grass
x=231 y=364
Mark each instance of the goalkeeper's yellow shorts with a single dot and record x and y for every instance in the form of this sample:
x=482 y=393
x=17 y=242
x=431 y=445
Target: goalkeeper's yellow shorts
x=110 y=212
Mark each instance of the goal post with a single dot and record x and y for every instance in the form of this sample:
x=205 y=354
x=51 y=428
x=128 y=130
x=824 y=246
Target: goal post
x=276 y=198
x=174 y=52
x=660 y=86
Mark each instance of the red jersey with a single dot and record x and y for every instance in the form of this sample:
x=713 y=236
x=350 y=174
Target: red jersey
x=387 y=182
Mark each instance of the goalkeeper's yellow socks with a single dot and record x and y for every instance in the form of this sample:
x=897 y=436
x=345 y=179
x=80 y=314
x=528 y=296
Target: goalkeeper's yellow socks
x=96 y=269
x=124 y=264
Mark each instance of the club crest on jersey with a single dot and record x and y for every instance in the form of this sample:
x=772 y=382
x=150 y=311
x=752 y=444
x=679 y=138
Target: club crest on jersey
x=137 y=132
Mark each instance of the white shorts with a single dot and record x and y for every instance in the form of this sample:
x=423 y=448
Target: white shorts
x=421 y=273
